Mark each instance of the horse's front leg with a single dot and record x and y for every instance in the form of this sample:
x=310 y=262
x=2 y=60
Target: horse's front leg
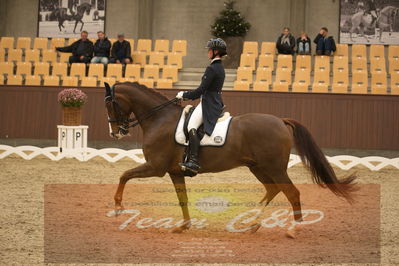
x=180 y=187
x=144 y=170
x=81 y=28
x=76 y=24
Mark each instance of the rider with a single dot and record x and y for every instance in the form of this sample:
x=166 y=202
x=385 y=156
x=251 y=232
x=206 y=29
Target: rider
x=372 y=10
x=211 y=105
x=74 y=8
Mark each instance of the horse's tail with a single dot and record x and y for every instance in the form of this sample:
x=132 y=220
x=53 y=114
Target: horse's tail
x=314 y=159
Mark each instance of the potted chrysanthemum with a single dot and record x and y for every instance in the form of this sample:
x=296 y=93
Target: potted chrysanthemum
x=72 y=101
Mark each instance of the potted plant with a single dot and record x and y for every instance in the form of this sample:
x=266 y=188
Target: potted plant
x=72 y=101
x=231 y=27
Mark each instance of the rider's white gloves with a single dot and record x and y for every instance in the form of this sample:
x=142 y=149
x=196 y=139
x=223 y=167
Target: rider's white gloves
x=180 y=95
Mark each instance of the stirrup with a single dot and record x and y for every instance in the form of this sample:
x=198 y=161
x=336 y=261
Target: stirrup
x=188 y=171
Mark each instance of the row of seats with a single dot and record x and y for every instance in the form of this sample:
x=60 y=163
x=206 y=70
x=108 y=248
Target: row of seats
x=357 y=50
x=70 y=81
x=51 y=56
x=321 y=81
x=143 y=45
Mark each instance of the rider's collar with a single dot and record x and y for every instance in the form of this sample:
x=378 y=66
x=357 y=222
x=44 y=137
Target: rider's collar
x=217 y=58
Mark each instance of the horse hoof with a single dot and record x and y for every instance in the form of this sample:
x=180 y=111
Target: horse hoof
x=118 y=210
x=179 y=230
x=290 y=234
x=254 y=228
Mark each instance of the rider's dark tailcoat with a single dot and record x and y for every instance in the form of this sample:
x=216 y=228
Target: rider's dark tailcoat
x=211 y=92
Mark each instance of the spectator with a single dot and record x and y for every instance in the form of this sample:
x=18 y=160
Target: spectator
x=82 y=50
x=303 y=44
x=325 y=45
x=101 y=49
x=121 y=52
x=286 y=42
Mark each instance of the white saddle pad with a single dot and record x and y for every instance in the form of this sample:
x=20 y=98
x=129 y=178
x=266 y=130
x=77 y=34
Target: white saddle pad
x=219 y=134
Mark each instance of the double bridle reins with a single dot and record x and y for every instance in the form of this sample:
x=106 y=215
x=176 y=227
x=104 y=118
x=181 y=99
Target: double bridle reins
x=128 y=122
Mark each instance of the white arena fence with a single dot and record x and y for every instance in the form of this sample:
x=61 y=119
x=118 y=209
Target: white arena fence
x=344 y=162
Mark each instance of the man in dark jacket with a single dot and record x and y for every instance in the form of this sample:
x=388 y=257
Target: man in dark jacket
x=121 y=51
x=211 y=105
x=325 y=45
x=101 y=49
x=82 y=50
x=286 y=42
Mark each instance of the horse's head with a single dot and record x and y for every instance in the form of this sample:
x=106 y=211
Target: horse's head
x=85 y=7
x=118 y=114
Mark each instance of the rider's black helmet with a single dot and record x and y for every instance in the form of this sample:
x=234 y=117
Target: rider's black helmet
x=217 y=44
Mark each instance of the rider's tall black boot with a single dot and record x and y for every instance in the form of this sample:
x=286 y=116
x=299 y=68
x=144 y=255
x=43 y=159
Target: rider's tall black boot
x=192 y=164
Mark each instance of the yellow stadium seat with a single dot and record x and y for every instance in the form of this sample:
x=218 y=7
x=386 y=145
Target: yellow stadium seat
x=64 y=57
x=322 y=63
x=261 y=86
x=151 y=72
x=144 y=45
x=60 y=69
x=72 y=40
x=394 y=64
x=139 y=58
x=32 y=56
x=248 y=60
x=110 y=80
x=33 y=80
x=7 y=43
x=342 y=50
x=161 y=46
x=132 y=72
x=164 y=84
x=244 y=74
x=42 y=69
x=340 y=81
x=175 y=59
x=2 y=55
x=51 y=81
x=284 y=62
x=14 y=55
x=2 y=80
x=113 y=40
x=241 y=85
x=121 y=80
x=359 y=81
x=114 y=71
x=359 y=50
x=57 y=42
x=395 y=83
x=93 y=40
x=89 y=82
x=377 y=64
x=250 y=48
x=157 y=58
x=50 y=56
x=78 y=70
x=268 y=48
x=179 y=46
x=302 y=80
x=149 y=83
x=6 y=68
x=266 y=61
x=264 y=75
x=378 y=83
x=359 y=64
x=70 y=81
x=393 y=52
x=96 y=70
x=341 y=63
x=24 y=68
x=23 y=43
x=170 y=72
x=14 y=80
x=283 y=79
x=40 y=44
x=321 y=81
x=377 y=51
x=131 y=41
x=303 y=62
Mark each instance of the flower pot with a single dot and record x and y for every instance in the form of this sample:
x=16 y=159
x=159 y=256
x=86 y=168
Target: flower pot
x=71 y=116
x=234 y=51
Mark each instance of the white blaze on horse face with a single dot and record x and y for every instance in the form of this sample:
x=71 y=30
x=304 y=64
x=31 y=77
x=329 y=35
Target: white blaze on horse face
x=110 y=127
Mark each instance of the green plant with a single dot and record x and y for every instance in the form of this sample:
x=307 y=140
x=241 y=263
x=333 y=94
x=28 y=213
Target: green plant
x=230 y=22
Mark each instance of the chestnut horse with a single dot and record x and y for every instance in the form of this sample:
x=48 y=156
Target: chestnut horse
x=259 y=141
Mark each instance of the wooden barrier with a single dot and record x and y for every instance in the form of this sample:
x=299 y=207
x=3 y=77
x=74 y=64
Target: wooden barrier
x=335 y=120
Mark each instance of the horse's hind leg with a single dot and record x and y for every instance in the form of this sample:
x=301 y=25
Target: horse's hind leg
x=81 y=28
x=76 y=24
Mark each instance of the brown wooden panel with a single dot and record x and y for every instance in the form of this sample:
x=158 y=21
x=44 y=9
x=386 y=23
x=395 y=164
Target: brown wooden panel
x=335 y=120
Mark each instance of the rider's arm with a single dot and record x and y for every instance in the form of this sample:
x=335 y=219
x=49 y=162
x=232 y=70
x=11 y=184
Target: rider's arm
x=205 y=85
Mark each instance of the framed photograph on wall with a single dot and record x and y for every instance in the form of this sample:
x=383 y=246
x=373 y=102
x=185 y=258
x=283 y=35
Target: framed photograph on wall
x=67 y=18
x=369 y=21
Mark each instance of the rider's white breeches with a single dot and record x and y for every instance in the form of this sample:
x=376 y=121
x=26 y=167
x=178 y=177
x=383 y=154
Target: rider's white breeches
x=196 y=118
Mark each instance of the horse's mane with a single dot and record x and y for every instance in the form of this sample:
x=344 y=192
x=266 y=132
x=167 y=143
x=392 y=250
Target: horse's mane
x=157 y=94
